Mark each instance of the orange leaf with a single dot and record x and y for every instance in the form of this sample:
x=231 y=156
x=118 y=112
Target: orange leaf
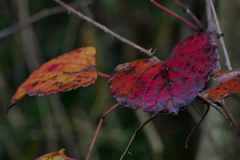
x=63 y=73
x=60 y=155
x=224 y=76
x=229 y=84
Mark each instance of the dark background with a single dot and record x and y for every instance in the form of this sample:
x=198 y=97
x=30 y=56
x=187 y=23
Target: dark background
x=39 y=125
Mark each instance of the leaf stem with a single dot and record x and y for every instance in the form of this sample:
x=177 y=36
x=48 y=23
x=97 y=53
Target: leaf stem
x=104 y=28
x=175 y=15
x=103 y=75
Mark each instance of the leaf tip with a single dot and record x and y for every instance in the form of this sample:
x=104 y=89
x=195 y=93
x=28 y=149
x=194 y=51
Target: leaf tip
x=11 y=104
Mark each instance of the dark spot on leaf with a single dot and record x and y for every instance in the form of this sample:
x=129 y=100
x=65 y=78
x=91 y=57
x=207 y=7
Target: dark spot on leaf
x=194 y=69
x=188 y=64
x=34 y=84
x=184 y=79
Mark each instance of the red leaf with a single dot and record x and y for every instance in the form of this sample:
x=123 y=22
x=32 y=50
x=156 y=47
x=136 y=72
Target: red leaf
x=68 y=71
x=229 y=84
x=158 y=87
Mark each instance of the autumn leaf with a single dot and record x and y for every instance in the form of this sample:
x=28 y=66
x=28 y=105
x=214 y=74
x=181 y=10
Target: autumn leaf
x=66 y=72
x=229 y=84
x=170 y=86
x=60 y=155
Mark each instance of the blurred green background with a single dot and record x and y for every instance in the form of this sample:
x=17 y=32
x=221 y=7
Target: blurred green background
x=35 y=31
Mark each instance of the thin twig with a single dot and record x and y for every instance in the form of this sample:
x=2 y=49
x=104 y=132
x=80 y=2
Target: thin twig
x=225 y=53
x=196 y=127
x=98 y=129
x=104 y=28
x=33 y=19
x=205 y=130
x=135 y=134
x=175 y=15
x=209 y=16
x=231 y=117
x=189 y=12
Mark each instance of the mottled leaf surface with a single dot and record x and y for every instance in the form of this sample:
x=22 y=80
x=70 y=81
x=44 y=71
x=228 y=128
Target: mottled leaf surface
x=60 y=155
x=229 y=84
x=166 y=87
x=68 y=71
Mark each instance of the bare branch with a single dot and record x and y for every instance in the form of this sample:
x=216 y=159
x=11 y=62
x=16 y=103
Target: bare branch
x=209 y=16
x=104 y=28
x=225 y=53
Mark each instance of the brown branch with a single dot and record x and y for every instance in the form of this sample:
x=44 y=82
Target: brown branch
x=104 y=28
x=33 y=19
x=135 y=134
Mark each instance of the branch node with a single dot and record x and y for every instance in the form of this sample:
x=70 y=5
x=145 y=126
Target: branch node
x=219 y=35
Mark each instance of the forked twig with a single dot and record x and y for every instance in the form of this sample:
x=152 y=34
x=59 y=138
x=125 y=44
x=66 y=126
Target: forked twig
x=104 y=28
x=196 y=127
x=135 y=134
x=214 y=105
x=98 y=129
x=189 y=12
x=224 y=111
x=175 y=15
